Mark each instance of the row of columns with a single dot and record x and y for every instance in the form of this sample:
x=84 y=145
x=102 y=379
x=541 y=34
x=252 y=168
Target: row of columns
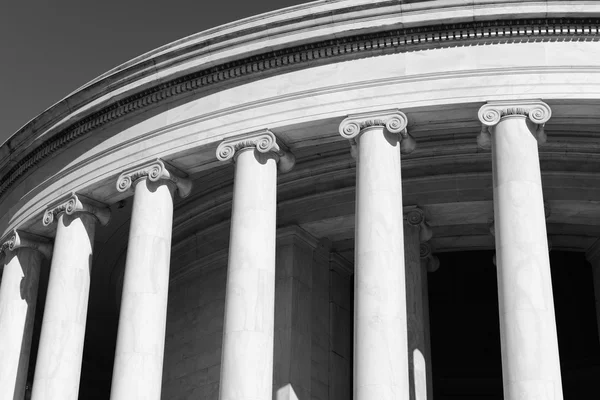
x=390 y=359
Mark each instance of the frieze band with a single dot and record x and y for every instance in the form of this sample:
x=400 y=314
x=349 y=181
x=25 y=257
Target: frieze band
x=395 y=41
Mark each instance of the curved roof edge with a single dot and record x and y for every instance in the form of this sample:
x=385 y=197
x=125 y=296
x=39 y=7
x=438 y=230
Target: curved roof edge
x=306 y=23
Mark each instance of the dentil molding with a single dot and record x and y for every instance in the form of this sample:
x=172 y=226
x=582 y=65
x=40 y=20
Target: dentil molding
x=331 y=50
x=264 y=141
x=19 y=239
x=77 y=203
x=394 y=121
x=155 y=171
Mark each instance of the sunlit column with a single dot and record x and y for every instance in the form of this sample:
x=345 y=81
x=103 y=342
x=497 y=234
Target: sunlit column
x=137 y=373
x=530 y=360
x=417 y=231
x=247 y=358
x=380 y=331
x=58 y=366
x=23 y=255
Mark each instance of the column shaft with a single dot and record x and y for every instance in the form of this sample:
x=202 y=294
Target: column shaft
x=18 y=295
x=530 y=360
x=417 y=309
x=139 y=354
x=247 y=359
x=380 y=342
x=58 y=367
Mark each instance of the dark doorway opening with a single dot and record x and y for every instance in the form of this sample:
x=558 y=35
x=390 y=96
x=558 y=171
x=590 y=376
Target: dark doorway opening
x=465 y=332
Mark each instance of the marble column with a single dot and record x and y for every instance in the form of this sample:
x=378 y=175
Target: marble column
x=293 y=325
x=417 y=304
x=138 y=365
x=380 y=331
x=593 y=256
x=247 y=355
x=60 y=353
x=530 y=360
x=23 y=254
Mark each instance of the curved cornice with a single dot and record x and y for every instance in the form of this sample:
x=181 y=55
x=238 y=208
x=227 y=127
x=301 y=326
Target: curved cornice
x=296 y=57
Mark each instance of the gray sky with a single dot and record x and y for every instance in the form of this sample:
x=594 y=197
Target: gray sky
x=50 y=48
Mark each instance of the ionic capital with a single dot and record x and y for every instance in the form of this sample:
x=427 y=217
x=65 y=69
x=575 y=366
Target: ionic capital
x=414 y=216
x=394 y=121
x=155 y=171
x=19 y=239
x=492 y=113
x=264 y=141
x=76 y=203
x=427 y=258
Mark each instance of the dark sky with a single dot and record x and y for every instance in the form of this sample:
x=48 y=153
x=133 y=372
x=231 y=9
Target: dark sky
x=50 y=48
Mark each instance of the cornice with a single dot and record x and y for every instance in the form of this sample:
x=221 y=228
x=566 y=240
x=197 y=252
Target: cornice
x=77 y=203
x=155 y=171
x=305 y=55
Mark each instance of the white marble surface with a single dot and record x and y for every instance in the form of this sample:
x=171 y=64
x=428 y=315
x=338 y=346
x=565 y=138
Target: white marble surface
x=417 y=313
x=18 y=294
x=530 y=359
x=247 y=358
x=380 y=331
x=58 y=366
x=138 y=366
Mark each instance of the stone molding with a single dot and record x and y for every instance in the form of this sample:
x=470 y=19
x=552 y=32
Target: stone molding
x=415 y=216
x=340 y=264
x=395 y=121
x=491 y=113
x=77 y=203
x=155 y=171
x=431 y=262
x=264 y=141
x=292 y=233
x=391 y=41
x=19 y=239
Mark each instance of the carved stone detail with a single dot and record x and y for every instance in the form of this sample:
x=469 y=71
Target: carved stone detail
x=394 y=121
x=414 y=216
x=537 y=111
x=264 y=141
x=397 y=41
x=19 y=239
x=155 y=171
x=77 y=203
x=431 y=262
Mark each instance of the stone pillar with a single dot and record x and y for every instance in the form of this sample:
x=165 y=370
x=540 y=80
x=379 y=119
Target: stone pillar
x=58 y=366
x=530 y=360
x=417 y=304
x=137 y=373
x=23 y=255
x=293 y=325
x=380 y=342
x=247 y=358
x=593 y=256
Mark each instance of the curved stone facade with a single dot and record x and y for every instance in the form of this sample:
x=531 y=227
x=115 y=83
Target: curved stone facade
x=252 y=211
